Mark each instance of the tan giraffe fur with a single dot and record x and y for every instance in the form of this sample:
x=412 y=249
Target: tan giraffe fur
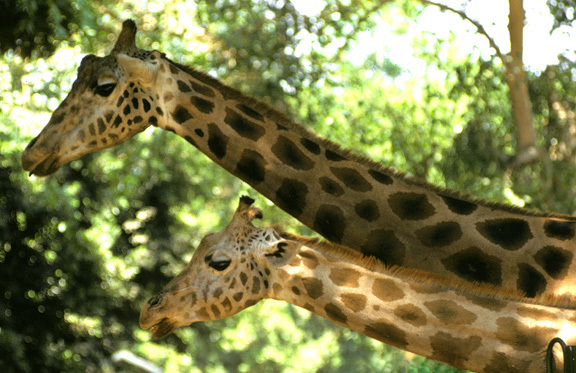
x=346 y=198
x=476 y=327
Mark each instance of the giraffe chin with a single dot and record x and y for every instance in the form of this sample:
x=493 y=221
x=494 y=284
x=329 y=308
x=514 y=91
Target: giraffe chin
x=162 y=329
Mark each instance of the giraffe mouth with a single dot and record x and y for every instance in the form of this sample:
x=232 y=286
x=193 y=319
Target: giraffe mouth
x=162 y=329
x=45 y=168
x=39 y=163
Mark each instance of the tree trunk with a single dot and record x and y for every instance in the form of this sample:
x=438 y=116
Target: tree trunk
x=516 y=79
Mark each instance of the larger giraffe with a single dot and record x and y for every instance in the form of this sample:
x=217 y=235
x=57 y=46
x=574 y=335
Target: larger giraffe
x=477 y=327
x=346 y=198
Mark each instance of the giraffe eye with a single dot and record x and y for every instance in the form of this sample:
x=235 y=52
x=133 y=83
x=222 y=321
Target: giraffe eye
x=105 y=89
x=219 y=264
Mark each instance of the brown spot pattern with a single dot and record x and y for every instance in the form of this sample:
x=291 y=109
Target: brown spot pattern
x=411 y=314
x=250 y=302
x=330 y=222
x=250 y=112
x=345 y=277
x=292 y=196
x=500 y=362
x=439 y=235
x=386 y=290
x=367 y=210
x=309 y=259
x=472 y=264
x=560 y=229
x=536 y=314
x=381 y=177
x=203 y=105
x=183 y=87
x=311 y=146
x=202 y=89
x=352 y=179
x=217 y=141
x=384 y=245
x=354 y=302
x=488 y=303
x=243 y=278
x=255 y=285
x=510 y=234
x=554 y=260
x=238 y=296
x=146 y=105
x=309 y=307
x=530 y=281
x=202 y=314
x=335 y=314
x=226 y=304
x=218 y=292
x=276 y=287
x=521 y=337
x=450 y=313
x=289 y=153
x=459 y=206
x=313 y=286
x=181 y=114
x=251 y=166
x=244 y=127
x=452 y=350
x=411 y=206
x=333 y=156
x=330 y=186
x=388 y=333
x=101 y=126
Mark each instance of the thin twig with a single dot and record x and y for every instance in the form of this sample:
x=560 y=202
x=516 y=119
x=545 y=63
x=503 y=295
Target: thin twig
x=476 y=24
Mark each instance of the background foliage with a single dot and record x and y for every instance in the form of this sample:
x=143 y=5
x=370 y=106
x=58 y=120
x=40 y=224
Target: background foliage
x=81 y=251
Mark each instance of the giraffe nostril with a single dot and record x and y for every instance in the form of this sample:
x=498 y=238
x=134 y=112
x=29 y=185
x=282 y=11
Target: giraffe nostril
x=155 y=301
x=32 y=142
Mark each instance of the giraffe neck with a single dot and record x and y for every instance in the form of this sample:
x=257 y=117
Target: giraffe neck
x=357 y=203
x=473 y=328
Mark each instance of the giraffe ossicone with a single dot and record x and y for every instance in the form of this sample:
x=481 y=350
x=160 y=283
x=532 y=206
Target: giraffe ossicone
x=476 y=327
x=347 y=198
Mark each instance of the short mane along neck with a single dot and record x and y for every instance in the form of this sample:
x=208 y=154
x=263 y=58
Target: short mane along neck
x=479 y=328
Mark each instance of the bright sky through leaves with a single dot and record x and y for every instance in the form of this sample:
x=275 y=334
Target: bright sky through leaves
x=540 y=47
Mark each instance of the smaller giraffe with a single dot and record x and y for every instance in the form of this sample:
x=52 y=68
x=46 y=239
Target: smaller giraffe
x=476 y=327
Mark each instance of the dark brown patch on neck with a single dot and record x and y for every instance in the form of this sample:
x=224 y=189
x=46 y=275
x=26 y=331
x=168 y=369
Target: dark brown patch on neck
x=411 y=206
x=510 y=234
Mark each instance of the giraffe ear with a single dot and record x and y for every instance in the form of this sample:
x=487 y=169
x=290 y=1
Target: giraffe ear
x=137 y=69
x=281 y=252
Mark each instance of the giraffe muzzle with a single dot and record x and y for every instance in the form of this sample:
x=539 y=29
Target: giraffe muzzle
x=39 y=161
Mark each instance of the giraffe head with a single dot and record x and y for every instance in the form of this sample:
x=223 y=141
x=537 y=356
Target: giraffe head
x=228 y=273
x=109 y=102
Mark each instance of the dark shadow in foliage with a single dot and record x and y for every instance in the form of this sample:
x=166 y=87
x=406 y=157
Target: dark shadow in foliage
x=36 y=26
x=33 y=299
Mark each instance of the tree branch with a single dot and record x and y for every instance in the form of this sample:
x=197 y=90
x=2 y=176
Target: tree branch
x=479 y=27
